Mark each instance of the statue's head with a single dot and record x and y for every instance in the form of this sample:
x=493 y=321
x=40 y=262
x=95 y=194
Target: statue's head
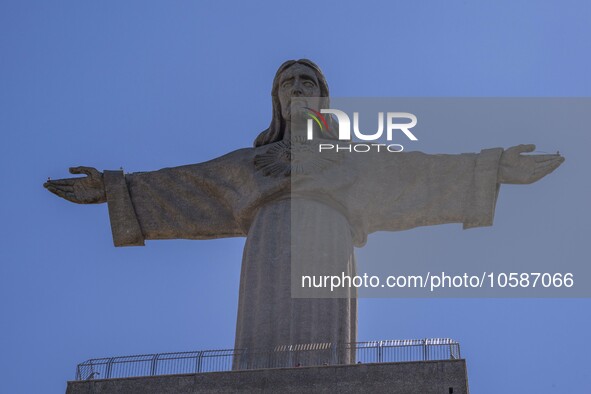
x=294 y=78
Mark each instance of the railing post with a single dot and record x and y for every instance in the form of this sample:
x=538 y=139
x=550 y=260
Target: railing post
x=198 y=363
x=380 y=355
x=334 y=354
x=154 y=365
x=455 y=351
x=425 y=350
x=109 y=367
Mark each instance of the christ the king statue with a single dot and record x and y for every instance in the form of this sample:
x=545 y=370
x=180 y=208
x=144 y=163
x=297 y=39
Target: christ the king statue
x=329 y=210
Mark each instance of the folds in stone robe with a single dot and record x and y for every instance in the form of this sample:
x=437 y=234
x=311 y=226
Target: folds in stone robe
x=317 y=211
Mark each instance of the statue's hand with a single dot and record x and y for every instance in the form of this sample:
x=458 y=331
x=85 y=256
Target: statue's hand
x=86 y=190
x=517 y=168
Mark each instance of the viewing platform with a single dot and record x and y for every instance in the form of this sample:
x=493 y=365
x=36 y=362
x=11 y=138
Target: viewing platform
x=394 y=366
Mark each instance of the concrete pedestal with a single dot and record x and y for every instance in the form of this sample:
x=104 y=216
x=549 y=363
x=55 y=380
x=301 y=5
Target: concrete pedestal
x=418 y=377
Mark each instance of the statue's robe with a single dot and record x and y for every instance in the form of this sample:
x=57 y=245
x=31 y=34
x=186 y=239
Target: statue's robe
x=314 y=211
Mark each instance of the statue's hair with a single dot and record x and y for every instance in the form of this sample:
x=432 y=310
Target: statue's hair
x=277 y=127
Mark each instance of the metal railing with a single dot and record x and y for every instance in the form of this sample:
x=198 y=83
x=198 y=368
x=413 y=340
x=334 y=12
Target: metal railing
x=278 y=357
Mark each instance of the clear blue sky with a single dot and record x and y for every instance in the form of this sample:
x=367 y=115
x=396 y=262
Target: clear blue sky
x=144 y=85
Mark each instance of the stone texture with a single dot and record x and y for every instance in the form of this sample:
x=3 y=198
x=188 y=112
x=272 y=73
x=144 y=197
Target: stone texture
x=424 y=377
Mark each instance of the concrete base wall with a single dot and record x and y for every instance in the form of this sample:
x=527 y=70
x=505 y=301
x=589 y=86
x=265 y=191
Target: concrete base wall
x=421 y=377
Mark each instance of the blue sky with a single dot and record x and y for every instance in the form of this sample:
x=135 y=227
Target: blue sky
x=144 y=85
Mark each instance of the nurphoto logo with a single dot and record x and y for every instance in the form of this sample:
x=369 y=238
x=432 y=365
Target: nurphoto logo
x=344 y=132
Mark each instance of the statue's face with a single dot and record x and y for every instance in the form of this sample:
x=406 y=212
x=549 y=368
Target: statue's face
x=298 y=81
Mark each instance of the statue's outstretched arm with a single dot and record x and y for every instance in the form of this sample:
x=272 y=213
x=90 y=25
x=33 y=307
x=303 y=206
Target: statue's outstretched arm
x=197 y=201
x=523 y=169
x=86 y=190
x=415 y=189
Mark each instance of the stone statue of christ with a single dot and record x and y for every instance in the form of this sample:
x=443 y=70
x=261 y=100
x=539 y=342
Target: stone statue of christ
x=330 y=209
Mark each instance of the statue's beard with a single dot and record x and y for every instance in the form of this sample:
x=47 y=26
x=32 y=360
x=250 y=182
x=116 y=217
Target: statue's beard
x=300 y=116
x=298 y=111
